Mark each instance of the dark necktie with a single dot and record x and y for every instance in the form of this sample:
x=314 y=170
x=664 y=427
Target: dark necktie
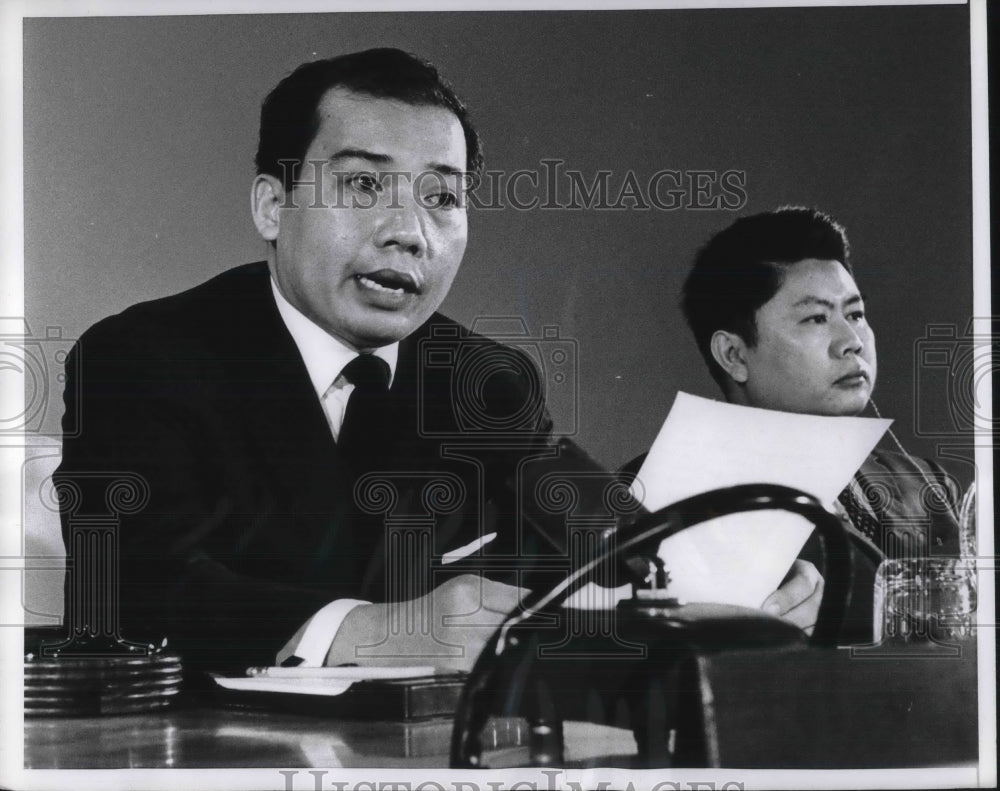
x=860 y=516
x=363 y=436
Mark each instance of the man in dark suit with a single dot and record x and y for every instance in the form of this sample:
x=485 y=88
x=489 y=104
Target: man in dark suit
x=274 y=495
x=309 y=444
x=777 y=316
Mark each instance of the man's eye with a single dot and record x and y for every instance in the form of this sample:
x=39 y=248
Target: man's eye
x=819 y=318
x=441 y=200
x=856 y=315
x=367 y=182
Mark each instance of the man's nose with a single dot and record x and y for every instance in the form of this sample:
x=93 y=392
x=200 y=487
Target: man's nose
x=402 y=225
x=847 y=339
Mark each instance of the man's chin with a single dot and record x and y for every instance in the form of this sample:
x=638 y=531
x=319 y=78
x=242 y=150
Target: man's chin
x=849 y=407
x=383 y=330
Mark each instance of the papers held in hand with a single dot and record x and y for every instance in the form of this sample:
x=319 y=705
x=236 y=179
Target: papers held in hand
x=704 y=445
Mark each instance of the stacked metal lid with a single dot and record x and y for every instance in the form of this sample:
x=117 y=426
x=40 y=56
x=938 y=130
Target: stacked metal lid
x=87 y=686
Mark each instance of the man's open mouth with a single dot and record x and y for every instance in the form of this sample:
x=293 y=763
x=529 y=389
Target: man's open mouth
x=389 y=280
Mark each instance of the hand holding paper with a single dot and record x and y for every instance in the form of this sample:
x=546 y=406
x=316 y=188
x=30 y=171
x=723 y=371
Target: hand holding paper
x=799 y=597
x=705 y=445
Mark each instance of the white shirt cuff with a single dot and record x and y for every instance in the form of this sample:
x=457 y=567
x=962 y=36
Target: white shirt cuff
x=312 y=643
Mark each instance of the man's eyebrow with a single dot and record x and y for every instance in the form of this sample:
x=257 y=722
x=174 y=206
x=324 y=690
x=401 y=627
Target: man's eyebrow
x=826 y=303
x=360 y=153
x=384 y=159
x=446 y=170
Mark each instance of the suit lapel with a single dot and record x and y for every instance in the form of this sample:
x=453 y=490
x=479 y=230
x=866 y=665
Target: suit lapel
x=301 y=462
x=422 y=402
x=404 y=460
x=284 y=416
x=880 y=487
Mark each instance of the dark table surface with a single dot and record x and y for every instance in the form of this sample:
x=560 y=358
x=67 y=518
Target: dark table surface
x=813 y=709
x=200 y=737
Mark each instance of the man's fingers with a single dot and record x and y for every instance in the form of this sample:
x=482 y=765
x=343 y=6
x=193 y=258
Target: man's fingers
x=802 y=586
x=500 y=597
x=798 y=599
x=805 y=612
x=472 y=593
x=481 y=619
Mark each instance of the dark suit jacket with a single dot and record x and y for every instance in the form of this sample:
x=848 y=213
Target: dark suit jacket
x=253 y=520
x=915 y=503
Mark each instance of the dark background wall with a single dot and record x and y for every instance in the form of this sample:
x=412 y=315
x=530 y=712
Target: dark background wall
x=140 y=133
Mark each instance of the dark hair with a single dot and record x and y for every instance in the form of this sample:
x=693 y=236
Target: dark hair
x=742 y=267
x=289 y=117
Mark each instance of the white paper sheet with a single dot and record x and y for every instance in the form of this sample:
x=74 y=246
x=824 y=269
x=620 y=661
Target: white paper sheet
x=315 y=681
x=296 y=686
x=705 y=445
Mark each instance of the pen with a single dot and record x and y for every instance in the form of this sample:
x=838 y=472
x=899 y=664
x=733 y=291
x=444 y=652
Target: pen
x=345 y=673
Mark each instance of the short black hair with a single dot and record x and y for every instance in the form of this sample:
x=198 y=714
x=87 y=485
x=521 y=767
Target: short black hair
x=742 y=267
x=289 y=117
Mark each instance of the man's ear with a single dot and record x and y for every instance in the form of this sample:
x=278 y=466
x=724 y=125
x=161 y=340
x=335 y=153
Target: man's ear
x=266 y=198
x=729 y=351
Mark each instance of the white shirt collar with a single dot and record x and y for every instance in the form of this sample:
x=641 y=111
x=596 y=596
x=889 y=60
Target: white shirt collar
x=324 y=355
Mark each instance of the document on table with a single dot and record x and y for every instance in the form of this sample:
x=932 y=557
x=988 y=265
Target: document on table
x=705 y=445
x=315 y=681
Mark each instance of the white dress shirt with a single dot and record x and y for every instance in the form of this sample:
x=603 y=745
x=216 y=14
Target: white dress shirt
x=325 y=358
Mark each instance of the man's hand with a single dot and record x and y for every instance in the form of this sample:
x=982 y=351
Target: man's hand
x=798 y=598
x=446 y=628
